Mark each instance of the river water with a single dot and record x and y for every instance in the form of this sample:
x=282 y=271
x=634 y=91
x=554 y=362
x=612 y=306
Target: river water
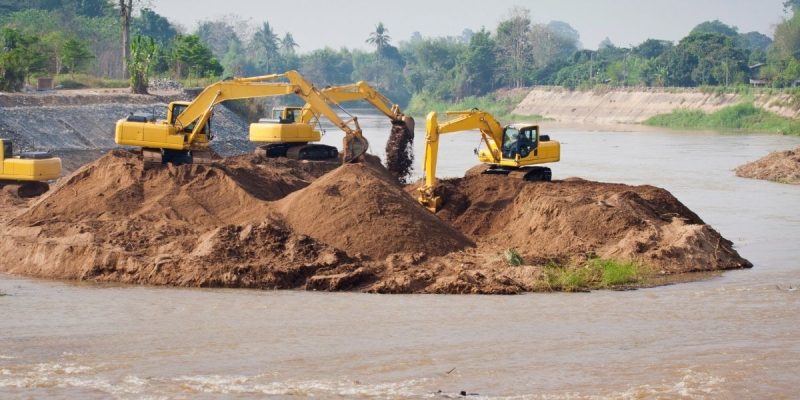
x=733 y=336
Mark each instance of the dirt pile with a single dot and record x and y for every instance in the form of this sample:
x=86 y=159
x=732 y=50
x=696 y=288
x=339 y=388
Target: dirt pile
x=113 y=221
x=569 y=221
x=369 y=214
x=275 y=223
x=779 y=166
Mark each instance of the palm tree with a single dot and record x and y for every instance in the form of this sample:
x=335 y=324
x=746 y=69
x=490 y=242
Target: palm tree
x=266 y=41
x=379 y=38
x=288 y=44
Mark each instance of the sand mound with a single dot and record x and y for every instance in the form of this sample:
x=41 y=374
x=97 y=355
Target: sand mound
x=275 y=223
x=780 y=166
x=566 y=221
x=366 y=212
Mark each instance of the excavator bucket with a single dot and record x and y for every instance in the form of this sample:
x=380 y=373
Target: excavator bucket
x=354 y=146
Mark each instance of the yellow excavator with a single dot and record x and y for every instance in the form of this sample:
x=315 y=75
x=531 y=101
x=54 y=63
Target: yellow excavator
x=184 y=136
x=27 y=172
x=511 y=150
x=360 y=91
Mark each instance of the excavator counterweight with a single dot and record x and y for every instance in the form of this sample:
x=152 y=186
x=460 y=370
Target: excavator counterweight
x=26 y=173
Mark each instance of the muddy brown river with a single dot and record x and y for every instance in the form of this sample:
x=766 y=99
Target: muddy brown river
x=732 y=336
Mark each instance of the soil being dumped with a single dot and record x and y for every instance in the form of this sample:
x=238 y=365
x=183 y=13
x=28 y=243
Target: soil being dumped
x=274 y=223
x=779 y=166
x=400 y=152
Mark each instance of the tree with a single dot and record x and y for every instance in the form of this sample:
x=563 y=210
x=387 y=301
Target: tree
x=716 y=26
x=76 y=55
x=288 y=44
x=704 y=59
x=143 y=50
x=379 y=37
x=193 y=58
x=265 y=41
x=20 y=54
x=787 y=38
x=54 y=42
x=605 y=43
x=755 y=41
x=151 y=24
x=652 y=48
x=478 y=66
x=125 y=11
x=513 y=40
x=327 y=66
x=217 y=36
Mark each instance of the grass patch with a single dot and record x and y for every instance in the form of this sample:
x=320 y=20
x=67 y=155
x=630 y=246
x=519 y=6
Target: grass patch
x=513 y=258
x=81 y=81
x=596 y=273
x=422 y=103
x=740 y=117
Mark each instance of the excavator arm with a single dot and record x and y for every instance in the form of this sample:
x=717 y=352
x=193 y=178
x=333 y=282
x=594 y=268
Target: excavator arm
x=491 y=134
x=173 y=136
x=317 y=102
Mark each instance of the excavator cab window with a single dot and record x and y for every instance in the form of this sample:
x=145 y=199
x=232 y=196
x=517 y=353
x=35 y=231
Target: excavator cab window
x=177 y=109
x=516 y=141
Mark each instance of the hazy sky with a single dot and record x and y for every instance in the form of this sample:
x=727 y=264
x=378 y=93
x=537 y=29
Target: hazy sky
x=319 y=23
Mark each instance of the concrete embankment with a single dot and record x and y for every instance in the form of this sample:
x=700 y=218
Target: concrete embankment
x=632 y=106
x=69 y=123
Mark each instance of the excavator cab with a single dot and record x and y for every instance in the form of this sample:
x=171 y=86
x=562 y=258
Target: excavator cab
x=285 y=115
x=176 y=108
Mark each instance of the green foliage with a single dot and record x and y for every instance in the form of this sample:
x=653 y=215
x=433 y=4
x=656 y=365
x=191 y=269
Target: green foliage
x=740 y=117
x=193 y=59
x=76 y=55
x=79 y=81
x=327 y=66
x=379 y=37
x=596 y=273
x=151 y=24
x=501 y=108
x=704 y=59
x=20 y=55
x=513 y=258
x=716 y=26
x=143 y=51
x=478 y=66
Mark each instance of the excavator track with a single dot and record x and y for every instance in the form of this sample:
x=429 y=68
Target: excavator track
x=532 y=174
x=314 y=152
x=25 y=190
x=298 y=151
x=153 y=158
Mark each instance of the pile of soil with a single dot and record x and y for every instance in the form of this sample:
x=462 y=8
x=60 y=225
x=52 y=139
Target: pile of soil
x=251 y=222
x=368 y=214
x=572 y=220
x=779 y=166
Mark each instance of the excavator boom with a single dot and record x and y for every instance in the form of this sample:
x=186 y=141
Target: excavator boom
x=187 y=128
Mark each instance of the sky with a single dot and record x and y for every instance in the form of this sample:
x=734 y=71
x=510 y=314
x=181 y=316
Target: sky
x=319 y=23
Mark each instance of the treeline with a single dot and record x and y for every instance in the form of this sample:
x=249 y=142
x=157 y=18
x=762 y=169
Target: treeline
x=74 y=36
